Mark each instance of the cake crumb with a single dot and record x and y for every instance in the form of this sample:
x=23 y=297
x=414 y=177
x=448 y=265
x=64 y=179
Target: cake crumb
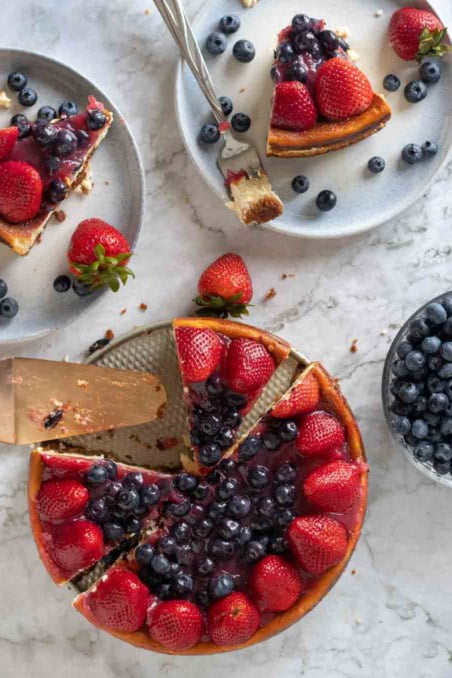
x=342 y=32
x=287 y=275
x=87 y=184
x=123 y=311
x=249 y=3
x=270 y=294
x=358 y=620
x=5 y=101
x=59 y=215
x=82 y=383
x=66 y=359
x=109 y=334
x=354 y=346
x=143 y=307
x=241 y=90
x=378 y=13
x=147 y=12
x=353 y=572
x=384 y=333
x=353 y=55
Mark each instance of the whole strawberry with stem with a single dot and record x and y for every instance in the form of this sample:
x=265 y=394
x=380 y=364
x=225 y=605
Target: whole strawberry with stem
x=225 y=288
x=416 y=33
x=98 y=255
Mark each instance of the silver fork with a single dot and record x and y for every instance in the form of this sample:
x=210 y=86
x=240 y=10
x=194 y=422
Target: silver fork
x=235 y=156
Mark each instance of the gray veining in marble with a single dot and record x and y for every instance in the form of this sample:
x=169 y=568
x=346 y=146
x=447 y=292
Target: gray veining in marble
x=390 y=614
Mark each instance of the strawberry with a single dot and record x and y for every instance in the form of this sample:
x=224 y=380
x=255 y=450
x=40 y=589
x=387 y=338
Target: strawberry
x=20 y=191
x=61 y=499
x=248 y=365
x=232 y=620
x=119 y=601
x=200 y=352
x=63 y=466
x=341 y=90
x=8 y=138
x=275 y=584
x=98 y=255
x=334 y=486
x=176 y=624
x=317 y=542
x=302 y=399
x=77 y=545
x=293 y=106
x=225 y=288
x=318 y=433
x=416 y=33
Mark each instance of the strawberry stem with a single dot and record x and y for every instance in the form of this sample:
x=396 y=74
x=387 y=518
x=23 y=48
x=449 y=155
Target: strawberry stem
x=431 y=43
x=214 y=306
x=105 y=270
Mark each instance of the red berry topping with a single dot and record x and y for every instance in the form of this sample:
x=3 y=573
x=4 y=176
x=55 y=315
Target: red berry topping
x=77 y=545
x=62 y=499
x=200 y=352
x=8 y=138
x=249 y=365
x=176 y=624
x=275 y=584
x=341 y=90
x=302 y=399
x=20 y=191
x=293 y=106
x=225 y=288
x=232 y=620
x=416 y=33
x=317 y=542
x=318 y=433
x=334 y=486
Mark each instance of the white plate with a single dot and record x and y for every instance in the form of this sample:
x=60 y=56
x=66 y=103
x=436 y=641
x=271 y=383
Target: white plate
x=120 y=201
x=364 y=200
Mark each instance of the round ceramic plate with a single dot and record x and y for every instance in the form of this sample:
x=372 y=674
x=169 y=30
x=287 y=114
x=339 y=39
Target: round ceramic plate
x=117 y=197
x=364 y=200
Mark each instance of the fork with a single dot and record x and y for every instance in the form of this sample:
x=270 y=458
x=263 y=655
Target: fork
x=235 y=155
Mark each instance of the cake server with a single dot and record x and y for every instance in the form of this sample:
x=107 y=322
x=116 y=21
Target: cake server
x=44 y=400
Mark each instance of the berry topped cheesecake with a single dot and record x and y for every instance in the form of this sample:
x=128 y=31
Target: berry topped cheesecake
x=322 y=101
x=198 y=563
x=40 y=165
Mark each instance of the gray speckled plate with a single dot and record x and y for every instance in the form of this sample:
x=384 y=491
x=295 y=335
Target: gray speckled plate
x=118 y=197
x=364 y=200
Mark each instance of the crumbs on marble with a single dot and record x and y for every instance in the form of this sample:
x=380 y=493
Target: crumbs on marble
x=123 y=311
x=353 y=572
x=270 y=294
x=378 y=13
x=5 y=101
x=109 y=334
x=249 y=3
x=143 y=307
x=284 y=276
x=59 y=215
x=241 y=90
x=147 y=12
x=354 y=346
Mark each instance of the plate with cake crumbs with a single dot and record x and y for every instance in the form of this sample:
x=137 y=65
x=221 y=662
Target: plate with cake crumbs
x=350 y=127
x=66 y=155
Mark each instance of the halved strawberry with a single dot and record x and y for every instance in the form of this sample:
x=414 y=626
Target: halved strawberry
x=66 y=465
x=317 y=542
x=318 y=433
x=20 y=191
x=119 y=601
x=341 y=90
x=77 y=545
x=62 y=499
x=8 y=138
x=334 y=486
x=200 y=352
x=416 y=33
x=275 y=584
x=293 y=106
x=302 y=399
x=225 y=288
x=248 y=366
x=232 y=620
x=176 y=624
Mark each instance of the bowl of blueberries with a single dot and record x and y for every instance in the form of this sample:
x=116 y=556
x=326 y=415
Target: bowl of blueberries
x=417 y=389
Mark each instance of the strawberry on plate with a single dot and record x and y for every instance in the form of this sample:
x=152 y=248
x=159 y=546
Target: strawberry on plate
x=232 y=620
x=77 y=545
x=98 y=255
x=333 y=486
x=200 y=352
x=8 y=138
x=319 y=433
x=20 y=191
x=176 y=624
x=341 y=90
x=293 y=106
x=317 y=542
x=249 y=365
x=275 y=584
x=119 y=601
x=303 y=399
x=416 y=33
x=225 y=288
x=62 y=499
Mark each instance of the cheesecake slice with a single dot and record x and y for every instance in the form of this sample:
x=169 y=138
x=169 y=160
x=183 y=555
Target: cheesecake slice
x=253 y=198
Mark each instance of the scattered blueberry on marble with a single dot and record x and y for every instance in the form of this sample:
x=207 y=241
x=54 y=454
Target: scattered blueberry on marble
x=241 y=122
x=209 y=133
x=3 y=289
x=227 y=105
x=27 y=96
x=9 y=307
x=22 y=123
x=229 y=24
x=429 y=149
x=244 y=51
x=412 y=154
x=62 y=283
x=415 y=91
x=68 y=108
x=430 y=72
x=326 y=200
x=17 y=81
x=391 y=83
x=80 y=289
x=300 y=184
x=216 y=43
x=376 y=164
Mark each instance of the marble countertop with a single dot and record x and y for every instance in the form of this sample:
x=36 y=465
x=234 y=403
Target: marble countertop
x=389 y=615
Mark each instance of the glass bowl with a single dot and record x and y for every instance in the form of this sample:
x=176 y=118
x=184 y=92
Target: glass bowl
x=426 y=468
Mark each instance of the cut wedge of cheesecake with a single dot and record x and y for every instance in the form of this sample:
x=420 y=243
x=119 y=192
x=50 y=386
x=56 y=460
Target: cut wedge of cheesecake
x=253 y=199
x=69 y=169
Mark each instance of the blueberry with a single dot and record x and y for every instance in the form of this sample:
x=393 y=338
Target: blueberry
x=430 y=71
x=96 y=119
x=448 y=389
x=225 y=437
x=150 y=495
x=57 y=191
x=441 y=467
x=286 y=473
x=260 y=523
x=408 y=393
x=227 y=466
x=435 y=362
x=423 y=451
x=391 y=83
x=43 y=133
x=420 y=405
x=244 y=51
x=306 y=42
x=17 y=81
x=266 y=507
x=436 y=313
x=438 y=402
x=404 y=348
x=144 y=554
x=418 y=329
x=446 y=371
x=97 y=510
x=415 y=360
x=167 y=545
x=236 y=399
x=179 y=509
x=285 y=53
x=52 y=164
x=241 y=122
x=205 y=566
x=431 y=344
x=238 y=506
x=27 y=96
x=429 y=149
x=277 y=545
x=201 y=491
x=220 y=549
x=419 y=429
x=229 y=24
x=400 y=408
x=203 y=528
x=285 y=494
x=216 y=509
x=232 y=417
x=96 y=475
x=259 y=477
x=326 y=200
x=297 y=71
x=65 y=143
x=112 y=469
x=329 y=41
x=245 y=535
x=443 y=452
x=401 y=425
x=376 y=164
x=432 y=419
x=254 y=551
x=287 y=431
x=186 y=482
x=412 y=153
x=249 y=448
x=228 y=528
x=68 y=108
x=415 y=91
x=284 y=518
x=277 y=74
x=209 y=454
x=22 y=123
x=221 y=585
x=47 y=113
x=82 y=137
x=301 y=23
x=227 y=107
x=446 y=351
x=214 y=477
x=183 y=584
x=160 y=564
x=227 y=488
x=128 y=499
x=3 y=289
x=399 y=368
x=113 y=531
x=133 y=525
x=271 y=441
x=216 y=43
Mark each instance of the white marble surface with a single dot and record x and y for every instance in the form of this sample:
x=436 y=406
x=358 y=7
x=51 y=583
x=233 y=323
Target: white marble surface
x=389 y=615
